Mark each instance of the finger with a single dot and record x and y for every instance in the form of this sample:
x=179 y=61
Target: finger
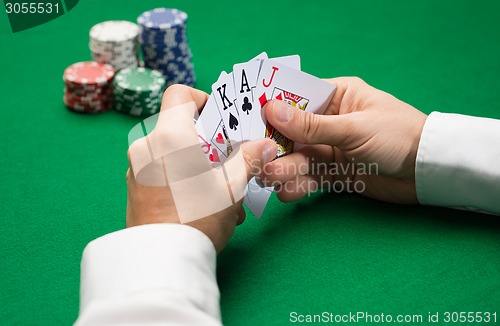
x=250 y=157
x=172 y=139
x=307 y=127
x=303 y=185
x=309 y=159
x=241 y=216
x=347 y=95
x=181 y=94
x=247 y=161
x=174 y=129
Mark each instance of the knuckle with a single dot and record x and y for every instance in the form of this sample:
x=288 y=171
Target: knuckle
x=252 y=164
x=311 y=123
x=357 y=80
x=174 y=89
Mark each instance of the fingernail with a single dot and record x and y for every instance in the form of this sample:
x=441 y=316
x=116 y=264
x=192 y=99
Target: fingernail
x=259 y=182
x=281 y=111
x=269 y=152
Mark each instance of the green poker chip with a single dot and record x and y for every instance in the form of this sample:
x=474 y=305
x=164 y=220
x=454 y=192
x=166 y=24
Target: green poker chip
x=138 y=91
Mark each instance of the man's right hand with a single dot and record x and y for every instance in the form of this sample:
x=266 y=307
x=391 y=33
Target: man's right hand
x=362 y=125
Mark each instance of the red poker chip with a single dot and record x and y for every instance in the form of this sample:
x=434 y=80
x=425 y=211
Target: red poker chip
x=87 y=109
x=88 y=94
x=86 y=105
x=88 y=97
x=89 y=73
x=87 y=88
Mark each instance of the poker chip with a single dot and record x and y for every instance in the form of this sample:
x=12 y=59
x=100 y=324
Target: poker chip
x=164 y=44
x=115 y=42
x=138 y=91
x=88 y=87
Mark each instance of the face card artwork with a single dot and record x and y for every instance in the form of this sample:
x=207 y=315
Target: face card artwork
x=223 y=92
x=278 y=81
x=285 y=145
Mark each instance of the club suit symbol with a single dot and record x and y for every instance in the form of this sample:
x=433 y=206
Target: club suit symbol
x=247 y=106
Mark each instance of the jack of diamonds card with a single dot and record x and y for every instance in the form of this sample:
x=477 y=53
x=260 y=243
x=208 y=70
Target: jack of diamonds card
x=297 y=88
x=285 y=145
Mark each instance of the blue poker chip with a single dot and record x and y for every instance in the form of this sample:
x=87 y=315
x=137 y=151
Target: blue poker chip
x=152 y=58
x=163 y=38
x=171 y=67
x=167 y=42
x=174 y=68
x=180 y=48
x=162 y=41
x=175 y=30
x=165 y=54
x=165 y=58
x=162 y=18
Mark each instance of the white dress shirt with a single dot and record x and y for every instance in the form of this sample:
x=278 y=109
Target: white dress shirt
x=458 y=163
x=164 y=274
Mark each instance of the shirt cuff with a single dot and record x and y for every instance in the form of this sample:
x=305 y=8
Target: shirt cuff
x=173 y=258
x=458 y=163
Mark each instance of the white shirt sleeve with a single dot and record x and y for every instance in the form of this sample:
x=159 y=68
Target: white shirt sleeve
x=157 y=274
x=458 y=163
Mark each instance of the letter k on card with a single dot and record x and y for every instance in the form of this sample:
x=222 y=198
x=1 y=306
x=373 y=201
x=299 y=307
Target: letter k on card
x=225 y=97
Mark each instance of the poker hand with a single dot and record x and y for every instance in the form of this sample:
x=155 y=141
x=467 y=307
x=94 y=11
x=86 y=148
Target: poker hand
x=367 y=138
x=167 y=189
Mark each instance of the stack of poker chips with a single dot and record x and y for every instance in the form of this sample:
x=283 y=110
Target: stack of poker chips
x=88 y=87
x=138 y=91
x=115 y=42
x=164 y=44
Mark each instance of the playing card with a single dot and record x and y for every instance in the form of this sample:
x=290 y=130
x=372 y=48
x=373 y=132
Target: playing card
x=256 y=197
x=225 y=98
x=212 y=135
x=292 y=61
x=299 y=89
x=245 y=79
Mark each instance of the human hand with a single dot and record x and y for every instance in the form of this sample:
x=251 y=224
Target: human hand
x=361 y=127
x=153 y=200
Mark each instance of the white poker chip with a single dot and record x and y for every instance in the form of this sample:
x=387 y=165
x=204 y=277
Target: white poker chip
x=115 y=42
x=114 y=31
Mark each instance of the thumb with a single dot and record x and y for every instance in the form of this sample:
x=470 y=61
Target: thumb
x=247 y=161
x=249 y=158
x=307 y=127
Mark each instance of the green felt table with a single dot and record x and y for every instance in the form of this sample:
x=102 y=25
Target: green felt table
x=63 y=174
